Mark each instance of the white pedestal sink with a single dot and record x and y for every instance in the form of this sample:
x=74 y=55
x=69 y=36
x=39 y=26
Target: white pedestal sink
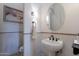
x=52 y=46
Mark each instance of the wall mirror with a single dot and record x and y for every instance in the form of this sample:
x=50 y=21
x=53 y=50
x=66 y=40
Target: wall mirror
x=56 y=16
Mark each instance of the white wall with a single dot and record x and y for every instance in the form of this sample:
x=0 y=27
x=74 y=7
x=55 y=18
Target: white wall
x=27 y=30
x=71 y=25
x=71 y=18
x=28 y=46
x=9 y=42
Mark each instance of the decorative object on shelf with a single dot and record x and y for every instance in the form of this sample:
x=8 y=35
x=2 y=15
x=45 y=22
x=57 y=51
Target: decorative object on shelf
x=12 y=15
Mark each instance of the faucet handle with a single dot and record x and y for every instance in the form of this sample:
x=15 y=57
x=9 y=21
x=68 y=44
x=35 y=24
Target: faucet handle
x=57 y=39
x=49 y=38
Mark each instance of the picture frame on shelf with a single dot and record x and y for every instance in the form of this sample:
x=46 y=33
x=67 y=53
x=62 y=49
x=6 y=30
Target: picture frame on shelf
x=12 y=15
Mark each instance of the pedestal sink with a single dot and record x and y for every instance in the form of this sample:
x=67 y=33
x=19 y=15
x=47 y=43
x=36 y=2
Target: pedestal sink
x=52 y=45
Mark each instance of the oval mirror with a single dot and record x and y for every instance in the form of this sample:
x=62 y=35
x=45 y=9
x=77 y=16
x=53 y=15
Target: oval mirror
x=55 y=16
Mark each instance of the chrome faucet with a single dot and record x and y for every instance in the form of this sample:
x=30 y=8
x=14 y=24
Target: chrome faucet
x=52 y=37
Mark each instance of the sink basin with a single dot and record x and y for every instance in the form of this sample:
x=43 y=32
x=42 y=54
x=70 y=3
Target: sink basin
x=52 y=45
